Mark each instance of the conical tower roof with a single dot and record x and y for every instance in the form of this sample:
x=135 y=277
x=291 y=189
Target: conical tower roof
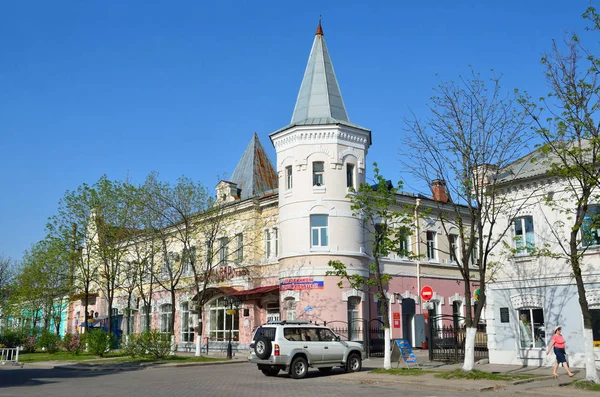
x=320 y=99
x=254 y=174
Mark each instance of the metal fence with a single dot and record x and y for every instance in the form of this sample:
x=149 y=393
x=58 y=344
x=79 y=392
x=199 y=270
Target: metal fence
x=9 y=355
x=447 y=340
x=369 y=333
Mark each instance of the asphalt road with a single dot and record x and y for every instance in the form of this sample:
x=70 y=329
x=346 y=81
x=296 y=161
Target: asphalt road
x=242 y=379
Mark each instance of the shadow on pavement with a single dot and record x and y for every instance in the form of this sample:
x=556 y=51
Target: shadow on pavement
x=16 y=377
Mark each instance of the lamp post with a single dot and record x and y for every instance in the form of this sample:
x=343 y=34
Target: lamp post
x=232 y=303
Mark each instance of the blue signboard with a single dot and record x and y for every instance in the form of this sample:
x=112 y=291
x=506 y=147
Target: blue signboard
x=406 y=351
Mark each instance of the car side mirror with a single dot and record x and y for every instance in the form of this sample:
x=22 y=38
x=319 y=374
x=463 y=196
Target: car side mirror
x=337 y=338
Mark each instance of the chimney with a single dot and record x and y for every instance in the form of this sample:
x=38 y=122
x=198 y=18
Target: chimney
x=439 y=190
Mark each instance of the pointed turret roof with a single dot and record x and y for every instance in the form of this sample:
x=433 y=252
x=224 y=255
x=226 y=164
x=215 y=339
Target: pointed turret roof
x=254 y=174
x=320 y=97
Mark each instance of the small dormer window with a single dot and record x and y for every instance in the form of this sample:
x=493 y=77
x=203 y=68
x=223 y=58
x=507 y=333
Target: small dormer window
x=318 y=171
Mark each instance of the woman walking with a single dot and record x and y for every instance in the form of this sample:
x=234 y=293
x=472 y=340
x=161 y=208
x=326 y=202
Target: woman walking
x=558 y=342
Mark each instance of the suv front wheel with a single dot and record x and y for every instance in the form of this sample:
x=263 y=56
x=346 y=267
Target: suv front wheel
x=354 y=363
x=299 y=368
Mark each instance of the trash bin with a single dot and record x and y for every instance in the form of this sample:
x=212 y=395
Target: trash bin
x=424 y=345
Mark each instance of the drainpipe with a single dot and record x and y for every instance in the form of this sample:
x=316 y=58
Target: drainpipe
x=418 y=252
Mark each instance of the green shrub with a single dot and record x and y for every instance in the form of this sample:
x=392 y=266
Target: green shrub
x=72 y=343
x=98 y=342
x=12 y=337
x=134 y=346
x=154 y=343
x=48 y=341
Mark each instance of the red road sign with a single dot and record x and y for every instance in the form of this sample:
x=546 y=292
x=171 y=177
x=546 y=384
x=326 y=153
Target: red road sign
x=426 y=293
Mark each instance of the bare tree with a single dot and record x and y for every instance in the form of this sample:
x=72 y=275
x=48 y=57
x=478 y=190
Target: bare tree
x=571 y=151
x=472 y=132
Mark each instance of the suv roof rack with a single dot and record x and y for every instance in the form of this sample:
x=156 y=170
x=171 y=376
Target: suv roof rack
x=290 y=322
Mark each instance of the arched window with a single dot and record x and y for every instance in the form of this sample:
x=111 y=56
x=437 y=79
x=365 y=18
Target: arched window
x=187 y=325
x=220 y=322
x=165 y=318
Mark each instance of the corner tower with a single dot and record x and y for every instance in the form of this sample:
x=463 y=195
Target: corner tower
x=320 y=155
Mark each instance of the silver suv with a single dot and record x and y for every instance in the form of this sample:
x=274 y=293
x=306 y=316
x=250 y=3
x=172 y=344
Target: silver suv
x=294 y=346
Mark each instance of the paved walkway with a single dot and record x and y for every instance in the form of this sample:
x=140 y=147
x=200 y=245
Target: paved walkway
x=543 y=385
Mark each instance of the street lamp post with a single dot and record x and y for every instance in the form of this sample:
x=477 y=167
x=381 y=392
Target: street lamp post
x=232 y=303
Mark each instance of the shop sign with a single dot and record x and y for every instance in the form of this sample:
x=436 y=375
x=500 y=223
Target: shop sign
x=224 y=273
x=301 y=283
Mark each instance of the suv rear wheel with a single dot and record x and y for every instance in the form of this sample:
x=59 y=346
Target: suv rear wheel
x=299 y=368
x=270 y=371
x=354 y=363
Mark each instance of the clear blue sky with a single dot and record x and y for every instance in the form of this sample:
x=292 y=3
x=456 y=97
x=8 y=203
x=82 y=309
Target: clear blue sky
x=98 y=87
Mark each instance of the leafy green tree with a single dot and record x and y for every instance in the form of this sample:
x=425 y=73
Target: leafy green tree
x=388 y=223
x=570 y=150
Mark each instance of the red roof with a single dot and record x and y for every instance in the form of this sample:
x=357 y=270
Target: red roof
x=256 y=291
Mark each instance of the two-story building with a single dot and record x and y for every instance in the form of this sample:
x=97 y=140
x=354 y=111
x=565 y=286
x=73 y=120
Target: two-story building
x=290 y=219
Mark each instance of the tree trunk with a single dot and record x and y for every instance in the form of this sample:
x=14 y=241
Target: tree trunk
x=172 y=322
x=469 y=349
x=387 y=356
x=199 y=335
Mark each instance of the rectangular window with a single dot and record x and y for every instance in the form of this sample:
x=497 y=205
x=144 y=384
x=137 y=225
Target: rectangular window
x=165 y=318
x=290 y=309
x=524 y=236
x=350 y=175
x=221 y=321
x=276 y=241
x=354 y=320
x=318 y=171
x=288 y=177
x=189 y=257
x=531 y=328
x=268 y=250
x=187 y=326
x=223 y=250
x=430 y=245
x=590 y=229
x=318 y=230
x=240 y=247
x=453 y=247
x=209 y=254
x=596 y=326
x=144 y=325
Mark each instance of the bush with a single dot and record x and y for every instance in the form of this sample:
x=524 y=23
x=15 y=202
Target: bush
x=12 y=338
x=72 y=343
x=98 y=342
x=29 y=345
x=48 y=341
x=148 y=343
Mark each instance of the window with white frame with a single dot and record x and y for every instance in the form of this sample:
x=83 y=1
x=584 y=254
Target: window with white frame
x=275 y=236
x=268 y=248
x=144 y=324
x=271 y=243
x=354 y=320
x=524 y=234
x=165 y=316
x=220 y=322
x=318 y=171
x=590 y=229
x=350 y=175
x=187 y=323
x=319 y=225
x=290 y=309
x=288 y=177
x=532 y=331
x=223 y=250
x=431 y=245
x=188 y=256
x=453 y=247
x=240 y=247
x=404 y=242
